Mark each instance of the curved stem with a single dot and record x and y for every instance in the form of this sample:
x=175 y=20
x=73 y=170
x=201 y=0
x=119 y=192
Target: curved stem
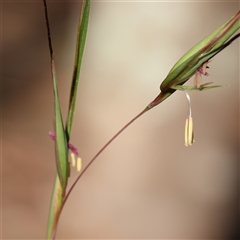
x=101 y=150
x=93 y=159
x=160 y=98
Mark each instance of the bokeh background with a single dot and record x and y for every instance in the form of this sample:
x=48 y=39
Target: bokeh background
x=147 y=184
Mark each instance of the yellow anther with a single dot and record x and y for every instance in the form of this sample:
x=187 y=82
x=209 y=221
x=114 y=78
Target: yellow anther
x=73 y=159
x=79 y=164
x=189 y=135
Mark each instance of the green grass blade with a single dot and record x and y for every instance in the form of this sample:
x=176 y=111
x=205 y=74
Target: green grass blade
x=203 y=51
x=81 y=39
x=204 y=58
x=61 y=149
x=218 y=37
x=187 y=69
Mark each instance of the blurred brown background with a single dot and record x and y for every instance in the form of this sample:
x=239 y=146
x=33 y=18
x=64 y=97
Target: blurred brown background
x=147 y=184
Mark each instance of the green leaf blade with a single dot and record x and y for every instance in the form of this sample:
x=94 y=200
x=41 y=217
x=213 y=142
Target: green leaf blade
x=216 y=38
x=61 y=149
x=80 y=46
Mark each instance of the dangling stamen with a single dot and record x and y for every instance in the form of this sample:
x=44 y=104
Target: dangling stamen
x=189 y=135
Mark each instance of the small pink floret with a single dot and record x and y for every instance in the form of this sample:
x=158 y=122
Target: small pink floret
x=52 y=135
x=73 y=149
x=70 y=146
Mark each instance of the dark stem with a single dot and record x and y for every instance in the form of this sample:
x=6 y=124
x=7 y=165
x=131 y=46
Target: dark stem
x=48 y=29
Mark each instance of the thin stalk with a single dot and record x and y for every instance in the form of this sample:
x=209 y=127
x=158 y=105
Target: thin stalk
x=160 y=98
x=90 y=163
x=101 y=150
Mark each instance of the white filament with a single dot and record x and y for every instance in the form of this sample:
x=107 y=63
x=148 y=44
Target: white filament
x=189 y=104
